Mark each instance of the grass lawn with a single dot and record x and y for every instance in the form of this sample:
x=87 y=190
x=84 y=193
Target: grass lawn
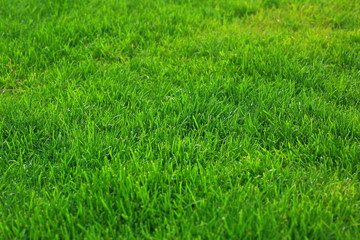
x=179 y=119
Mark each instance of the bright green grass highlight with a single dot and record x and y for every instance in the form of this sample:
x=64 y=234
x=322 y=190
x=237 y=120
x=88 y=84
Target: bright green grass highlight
x=179 y=119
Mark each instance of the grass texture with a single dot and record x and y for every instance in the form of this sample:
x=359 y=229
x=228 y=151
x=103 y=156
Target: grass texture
x=179 y=119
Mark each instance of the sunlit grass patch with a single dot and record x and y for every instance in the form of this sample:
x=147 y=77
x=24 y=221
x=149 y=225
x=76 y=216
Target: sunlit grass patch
x=179 y=119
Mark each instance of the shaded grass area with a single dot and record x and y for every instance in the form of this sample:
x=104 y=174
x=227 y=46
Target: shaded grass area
x=179 y=119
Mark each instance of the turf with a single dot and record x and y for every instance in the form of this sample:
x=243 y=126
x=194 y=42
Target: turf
x=179 y=119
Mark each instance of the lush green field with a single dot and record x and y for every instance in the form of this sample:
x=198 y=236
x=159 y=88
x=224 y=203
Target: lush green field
x=185 y=119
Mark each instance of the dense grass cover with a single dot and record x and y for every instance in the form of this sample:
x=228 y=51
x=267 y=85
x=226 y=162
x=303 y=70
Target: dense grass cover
x=190 y=119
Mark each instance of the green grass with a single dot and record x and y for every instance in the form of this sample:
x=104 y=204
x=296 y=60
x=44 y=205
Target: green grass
x=179 y=119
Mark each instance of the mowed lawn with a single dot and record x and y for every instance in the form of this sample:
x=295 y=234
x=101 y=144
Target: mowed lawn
x=179 y=119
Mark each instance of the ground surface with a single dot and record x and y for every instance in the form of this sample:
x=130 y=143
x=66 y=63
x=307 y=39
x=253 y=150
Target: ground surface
x=179 y=119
